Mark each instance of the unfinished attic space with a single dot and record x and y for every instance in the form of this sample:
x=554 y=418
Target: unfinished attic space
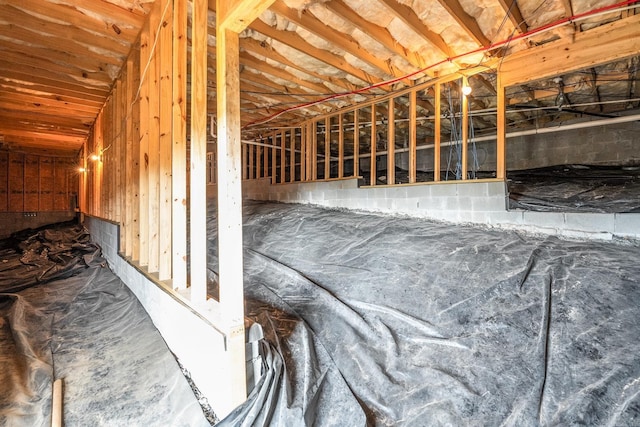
x=319 y=213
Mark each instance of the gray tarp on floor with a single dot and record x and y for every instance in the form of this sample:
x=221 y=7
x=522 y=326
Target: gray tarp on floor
x=376 y=320
x=63 y=314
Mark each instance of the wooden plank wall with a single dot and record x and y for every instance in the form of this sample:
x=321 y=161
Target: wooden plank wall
x=140 y=139
x=33 y=183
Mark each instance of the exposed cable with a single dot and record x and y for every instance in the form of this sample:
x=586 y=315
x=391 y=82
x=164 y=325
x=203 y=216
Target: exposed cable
x=547 y=27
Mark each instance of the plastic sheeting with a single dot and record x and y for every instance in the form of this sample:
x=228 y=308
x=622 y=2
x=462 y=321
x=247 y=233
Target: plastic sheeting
x=576 y=188
x=63 y=314
x=387 y=321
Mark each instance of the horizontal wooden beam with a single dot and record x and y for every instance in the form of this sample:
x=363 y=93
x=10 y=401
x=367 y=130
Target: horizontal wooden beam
x=238 y=14
x=600 y=45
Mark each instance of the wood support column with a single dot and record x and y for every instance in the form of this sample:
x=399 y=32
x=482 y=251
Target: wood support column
x=501 y=142
x=437 y=133
x=412 y=136
x=465 y=128
x=198 y=189
x=391 y=144
x=179 y=146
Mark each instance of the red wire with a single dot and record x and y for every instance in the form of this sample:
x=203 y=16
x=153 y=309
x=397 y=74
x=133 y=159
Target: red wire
x=481 y=49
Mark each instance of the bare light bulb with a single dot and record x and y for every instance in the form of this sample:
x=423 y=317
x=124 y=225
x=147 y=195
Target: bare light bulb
x=466 y=90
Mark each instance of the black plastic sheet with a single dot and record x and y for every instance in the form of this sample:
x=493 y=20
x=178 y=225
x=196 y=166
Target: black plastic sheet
x=64 y=314
x=387 y=321
x=576 y=188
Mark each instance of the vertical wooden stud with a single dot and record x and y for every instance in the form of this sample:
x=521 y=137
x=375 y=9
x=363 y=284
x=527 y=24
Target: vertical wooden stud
x=197 y=196
x=413 y=158
x=153 y=76
x=143 y=191
x=391 y=143
x=165 y=47
x=340 y=146
x=501 y=142
x=373 y=166
x=356 y=143
x=465 y=129
x=436 y=134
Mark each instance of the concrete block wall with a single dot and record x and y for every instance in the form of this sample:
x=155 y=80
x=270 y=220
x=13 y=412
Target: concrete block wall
x=477 y=202
x=195 y=341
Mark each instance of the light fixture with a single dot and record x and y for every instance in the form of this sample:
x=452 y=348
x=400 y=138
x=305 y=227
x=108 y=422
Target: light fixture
x=81 y=169
x=94 y=157
x=466 y=90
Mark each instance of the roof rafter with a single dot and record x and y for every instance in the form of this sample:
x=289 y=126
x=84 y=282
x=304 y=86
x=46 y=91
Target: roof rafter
x=467 y=22
x=380 y=34
x=306 y=20
x=515 y=15
x=294 y=41
x=409 y=17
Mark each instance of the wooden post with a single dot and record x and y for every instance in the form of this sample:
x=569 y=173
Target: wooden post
x=252 y=156
x=245 y=161
x=465 y=128
x=143 y=191
x=327 y=147
x=258 y=161
x=230 y=202
x=314 y=151
x=179 y=147
x=413 y=158
x=274 y=153
x=303 y=153
x=166 y=146
x=356 y=143
x=501 y=142
x=436 y=134
x=292 y=156
x=391 y=144
x=135 y=159
x=340 y=146
x=153 y=154
x=56 y=404
x=128 y=170
x=373 y=167
x=198 y=189
x=283 y=156
x=265 y=162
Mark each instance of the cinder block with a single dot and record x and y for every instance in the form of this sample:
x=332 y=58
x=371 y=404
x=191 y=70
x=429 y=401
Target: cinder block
x=497 y=189
x=627 y=224
x=396 y=192
x=418 y=191
x=472 y=189
x=544 y=219
x=443 y=189
x=590 y=222
x=506 y=217
x=487 y=204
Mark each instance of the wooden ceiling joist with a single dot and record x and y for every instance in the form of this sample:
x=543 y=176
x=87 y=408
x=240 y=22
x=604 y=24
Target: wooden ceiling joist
x=467 y=22
x=62 y=32
x=251 y=45
x=345 y=42
x=515 y=15
x=294 y=41
x=380 y=34
x=29 y=39
x=263 y=67
x=409 y=17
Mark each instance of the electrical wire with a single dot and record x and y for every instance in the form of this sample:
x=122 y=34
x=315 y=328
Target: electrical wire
x=547 y=27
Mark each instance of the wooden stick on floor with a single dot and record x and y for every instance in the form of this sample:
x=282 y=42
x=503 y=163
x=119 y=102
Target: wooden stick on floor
x=56 y=404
